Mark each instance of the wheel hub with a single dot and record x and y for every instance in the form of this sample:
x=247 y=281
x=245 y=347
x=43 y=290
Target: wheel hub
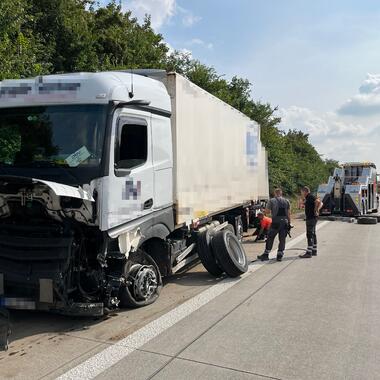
x=144 y=281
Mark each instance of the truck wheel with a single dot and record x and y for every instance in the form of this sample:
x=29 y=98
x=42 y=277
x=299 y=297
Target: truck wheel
x=143 y=281
x=230 y=253
x=230 y=227
x=206 y=254
x=367 y=220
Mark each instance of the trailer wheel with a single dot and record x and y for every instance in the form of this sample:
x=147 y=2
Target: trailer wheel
x=206 y=254
x=143 y=281
x=230 y=253
x=367 y=220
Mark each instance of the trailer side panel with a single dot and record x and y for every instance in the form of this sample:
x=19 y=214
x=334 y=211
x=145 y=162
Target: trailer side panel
x=217 y=153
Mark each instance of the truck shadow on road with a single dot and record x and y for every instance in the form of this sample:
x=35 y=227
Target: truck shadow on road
x=195 y=278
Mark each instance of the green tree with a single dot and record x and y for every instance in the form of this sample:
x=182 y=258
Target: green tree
x=19 y=47
x=64 y=26
x=121 y=42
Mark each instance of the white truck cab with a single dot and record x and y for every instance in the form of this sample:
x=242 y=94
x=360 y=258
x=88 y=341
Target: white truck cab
x=94 y=204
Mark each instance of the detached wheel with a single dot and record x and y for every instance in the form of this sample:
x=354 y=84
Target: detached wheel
x=367 y=220
x=230 y=253
x=230 y=227
x=143 y=281
x=206 y=254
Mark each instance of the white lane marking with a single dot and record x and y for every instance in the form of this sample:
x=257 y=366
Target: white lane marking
x=105 y=359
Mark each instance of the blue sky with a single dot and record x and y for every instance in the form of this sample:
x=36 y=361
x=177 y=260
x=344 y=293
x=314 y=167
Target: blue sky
x=311 y=58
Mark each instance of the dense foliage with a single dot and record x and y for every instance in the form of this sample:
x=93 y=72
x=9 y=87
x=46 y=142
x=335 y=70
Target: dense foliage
x=52 y=36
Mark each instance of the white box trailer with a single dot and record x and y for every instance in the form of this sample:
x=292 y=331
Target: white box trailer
x=110 y=180
x=218 y=156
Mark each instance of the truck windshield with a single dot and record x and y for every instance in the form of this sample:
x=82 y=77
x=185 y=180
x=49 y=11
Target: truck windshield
x=51 y=140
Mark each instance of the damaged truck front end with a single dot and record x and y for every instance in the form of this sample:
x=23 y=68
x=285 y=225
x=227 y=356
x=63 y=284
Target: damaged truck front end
x=52 y=251
x=49 y=249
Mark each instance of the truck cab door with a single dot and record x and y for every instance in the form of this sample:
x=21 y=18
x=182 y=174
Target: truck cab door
x=128 y=191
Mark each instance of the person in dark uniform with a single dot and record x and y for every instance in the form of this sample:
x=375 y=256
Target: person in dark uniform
x=312 y=207
x=279 y=207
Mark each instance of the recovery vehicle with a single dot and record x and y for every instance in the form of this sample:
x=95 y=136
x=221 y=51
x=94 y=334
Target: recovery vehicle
x=351 y=190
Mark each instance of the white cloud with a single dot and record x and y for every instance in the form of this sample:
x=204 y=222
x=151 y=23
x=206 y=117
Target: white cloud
x=198 y=41
x=161 y=11
x=334 y=136
x=170 y=48
x=188 y=52
x=341 y=135
x=188 y=18
x=367 y=101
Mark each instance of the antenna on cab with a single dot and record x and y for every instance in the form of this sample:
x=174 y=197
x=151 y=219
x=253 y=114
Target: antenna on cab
x=131 y=93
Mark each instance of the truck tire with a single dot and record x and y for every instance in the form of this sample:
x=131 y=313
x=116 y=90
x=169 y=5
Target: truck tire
x=143 y=282
x=230 y=253
x=230 y=227
x=367 y=220
x=206 y=254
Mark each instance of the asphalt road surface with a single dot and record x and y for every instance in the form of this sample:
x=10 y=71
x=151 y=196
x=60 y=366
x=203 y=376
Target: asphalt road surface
x=316 y=318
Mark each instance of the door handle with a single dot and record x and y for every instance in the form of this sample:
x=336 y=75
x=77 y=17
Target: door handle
x=148 y=204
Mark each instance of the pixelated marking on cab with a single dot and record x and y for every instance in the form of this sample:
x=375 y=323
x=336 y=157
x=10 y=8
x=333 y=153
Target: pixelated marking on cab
x=131 y=190
x=23 y=89
x=48 y=88
x=14 y=91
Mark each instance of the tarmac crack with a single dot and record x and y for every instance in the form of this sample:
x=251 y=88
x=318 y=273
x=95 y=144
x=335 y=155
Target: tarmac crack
x=207 y=363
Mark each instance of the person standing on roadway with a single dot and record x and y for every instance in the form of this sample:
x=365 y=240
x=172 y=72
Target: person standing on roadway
x=279 y=207
x=312 y=207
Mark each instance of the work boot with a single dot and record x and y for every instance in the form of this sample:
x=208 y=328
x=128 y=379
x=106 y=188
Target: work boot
x=306 y=255
x=279 y=256
x=263 y=257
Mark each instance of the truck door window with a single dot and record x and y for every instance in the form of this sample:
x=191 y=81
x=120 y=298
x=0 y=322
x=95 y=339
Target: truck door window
x=133 y=147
